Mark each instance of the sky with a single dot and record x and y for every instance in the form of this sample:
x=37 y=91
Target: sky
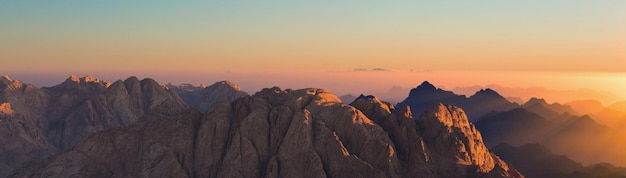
x=270 y=43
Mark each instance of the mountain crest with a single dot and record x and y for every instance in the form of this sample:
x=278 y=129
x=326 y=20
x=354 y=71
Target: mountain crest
x=227 y=83
x=73 y=80
x=368 y=97
x=488 y=92
x=533 y=101
x=426 y=86
x=5 y=80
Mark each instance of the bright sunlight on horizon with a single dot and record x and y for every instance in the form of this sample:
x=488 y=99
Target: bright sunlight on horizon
x=565 y=45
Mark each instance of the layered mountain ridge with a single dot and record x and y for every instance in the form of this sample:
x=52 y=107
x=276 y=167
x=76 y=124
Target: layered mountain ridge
x=482 y=102
x=284 y=133
x=139 y=128
x=535 y=160
x=38 y=122
x=204 y=97
x=559 y=127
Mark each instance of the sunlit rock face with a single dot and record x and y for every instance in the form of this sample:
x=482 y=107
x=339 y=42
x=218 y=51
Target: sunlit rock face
x=441 y=142
x=283 y=133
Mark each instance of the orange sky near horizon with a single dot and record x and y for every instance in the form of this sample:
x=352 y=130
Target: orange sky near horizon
x=369 y=82
x=560 y=44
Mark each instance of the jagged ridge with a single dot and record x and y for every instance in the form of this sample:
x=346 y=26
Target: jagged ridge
x=285 y=133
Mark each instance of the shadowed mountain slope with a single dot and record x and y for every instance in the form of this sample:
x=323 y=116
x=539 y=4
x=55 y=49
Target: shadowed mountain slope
x=535 y=160
x=476 y=106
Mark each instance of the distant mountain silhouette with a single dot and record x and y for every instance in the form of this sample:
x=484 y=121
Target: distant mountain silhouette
x=579 y=137
x=516 y=127
x=476 y=106
x=611 y=117
x=548 y=111
x=525 y=93
x=535 y=160
x=348 y=98
x=202 y=97
x=516 y=100
x=586 y=106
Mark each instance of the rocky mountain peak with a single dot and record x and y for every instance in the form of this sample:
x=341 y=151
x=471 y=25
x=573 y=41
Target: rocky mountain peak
x=203 y=97
x=5 y=80
x=279 y=133
x=87 y=80
x=445 y=115
x=228 y=84
x=277 y=96
x=425 y=86
x=372 y=107
x=449 y=120
x=368 y=97
x=487 y=92
x=534 y=101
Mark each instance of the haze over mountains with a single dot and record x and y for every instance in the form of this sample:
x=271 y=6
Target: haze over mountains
x=92 y=128
x=559 y=127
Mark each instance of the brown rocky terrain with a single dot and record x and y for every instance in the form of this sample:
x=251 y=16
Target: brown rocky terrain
x=37 y=122
x=282 y=133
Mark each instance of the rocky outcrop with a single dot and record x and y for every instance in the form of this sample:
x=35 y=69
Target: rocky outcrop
x=202 y=97
x=451 y=136
x=80 y=106
x=37 y=122
x=22 y=127
x=283 y=133
x=440 y=143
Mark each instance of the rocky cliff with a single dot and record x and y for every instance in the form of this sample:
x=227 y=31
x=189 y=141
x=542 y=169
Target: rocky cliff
x=37 y=122
x=283 y=133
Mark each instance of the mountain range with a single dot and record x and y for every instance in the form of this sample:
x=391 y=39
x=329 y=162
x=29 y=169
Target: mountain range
x=476 y=106
x=85 y=127
x=38 y=122
x=593 y=138
x=282 y=133
x=535 y=160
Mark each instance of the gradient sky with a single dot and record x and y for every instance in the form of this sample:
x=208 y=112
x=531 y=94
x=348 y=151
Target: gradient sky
x=143 y=37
